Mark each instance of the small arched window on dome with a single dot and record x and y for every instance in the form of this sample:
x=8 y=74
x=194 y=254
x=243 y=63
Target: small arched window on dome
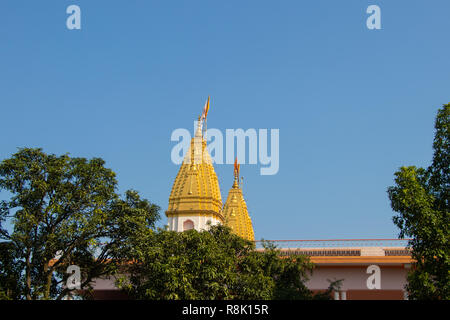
x=188 y=225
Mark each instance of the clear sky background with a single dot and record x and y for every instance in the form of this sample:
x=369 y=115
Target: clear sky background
x=352 y=104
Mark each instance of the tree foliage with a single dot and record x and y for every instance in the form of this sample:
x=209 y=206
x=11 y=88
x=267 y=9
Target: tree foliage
x=421 y=198
x=213 y=264
x=11 y=282
x=68 y=207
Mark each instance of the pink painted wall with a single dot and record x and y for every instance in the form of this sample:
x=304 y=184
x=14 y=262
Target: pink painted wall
x=355 y=278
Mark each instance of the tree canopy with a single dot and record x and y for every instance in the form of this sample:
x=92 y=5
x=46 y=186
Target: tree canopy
x=421 y=198
x=66 y=207
x=214 y=264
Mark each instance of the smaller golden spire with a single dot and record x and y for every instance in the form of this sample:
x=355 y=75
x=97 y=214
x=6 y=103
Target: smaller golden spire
x=235 y=209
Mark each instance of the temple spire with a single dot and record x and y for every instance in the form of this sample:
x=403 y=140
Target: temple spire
x=195 y=199
x=235 y=209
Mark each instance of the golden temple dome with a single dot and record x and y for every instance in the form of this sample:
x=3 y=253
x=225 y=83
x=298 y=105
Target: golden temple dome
x=235 y=210
x=195 y=199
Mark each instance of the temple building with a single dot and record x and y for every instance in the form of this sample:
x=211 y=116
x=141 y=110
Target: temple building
x=369 y=268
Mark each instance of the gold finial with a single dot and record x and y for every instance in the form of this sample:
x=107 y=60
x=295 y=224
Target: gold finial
x=236 y=173
x=205 y=114
x=205 y=109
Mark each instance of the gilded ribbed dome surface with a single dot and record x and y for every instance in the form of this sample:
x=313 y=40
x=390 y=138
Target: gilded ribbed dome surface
x=236 y=214
x=196 y=188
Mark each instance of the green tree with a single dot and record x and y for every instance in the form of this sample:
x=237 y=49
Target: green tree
x=68 y=207
x=213 y=264
x=421 y=198
x=11 y=284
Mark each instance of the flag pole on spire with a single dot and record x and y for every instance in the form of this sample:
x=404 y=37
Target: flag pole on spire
x=205 y=114
x=236 y=171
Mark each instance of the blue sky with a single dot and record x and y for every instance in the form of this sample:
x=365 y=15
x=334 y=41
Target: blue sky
x=352 y=104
